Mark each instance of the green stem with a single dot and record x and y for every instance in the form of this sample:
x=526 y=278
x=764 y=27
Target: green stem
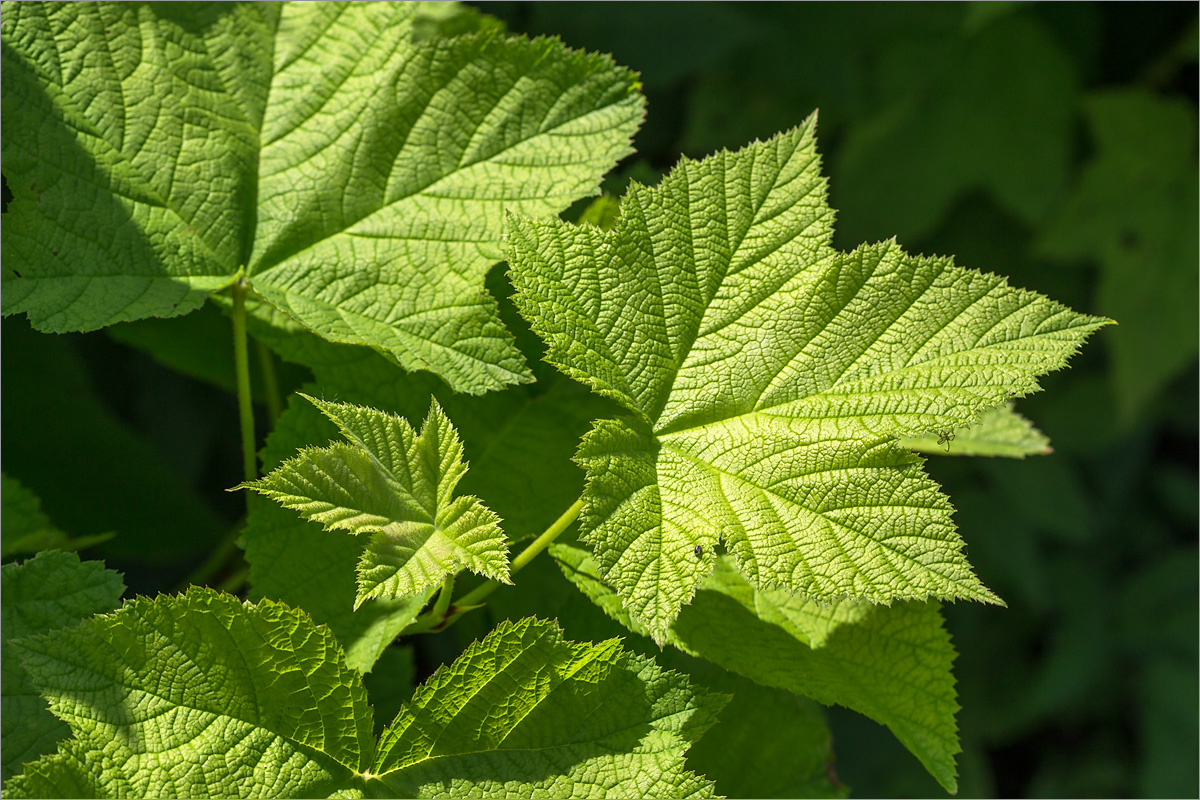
x=266 y=363
x=443 y=601
x=241 y=362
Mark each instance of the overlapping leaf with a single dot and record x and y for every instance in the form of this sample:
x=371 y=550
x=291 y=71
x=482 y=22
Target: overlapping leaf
x=891 y=664
x=397 y=487
x=766 y=377
x=355 y=176
x=525 y=713
x=204 y=696
x=1000 y=432
x=52 y=590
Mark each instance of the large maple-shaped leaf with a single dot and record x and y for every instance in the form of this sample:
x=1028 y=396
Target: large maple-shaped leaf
x=766 y=377
x=395 y=486
x=202 y=695
x=355 y=177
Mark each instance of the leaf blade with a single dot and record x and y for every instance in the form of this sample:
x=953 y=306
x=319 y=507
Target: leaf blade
x=525 y=712
x=354 y=170
x=767 y=377
x=196 y=695
x=538 y=125
x=396 y=486
x=890 y=664
x=50 y=591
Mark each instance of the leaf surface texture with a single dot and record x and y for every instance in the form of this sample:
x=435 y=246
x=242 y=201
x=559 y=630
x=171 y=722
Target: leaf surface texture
x=890 y=664
x=201 y=695
x=52 y=590
x=356 y=177
x=766 y=377
x=396 y=486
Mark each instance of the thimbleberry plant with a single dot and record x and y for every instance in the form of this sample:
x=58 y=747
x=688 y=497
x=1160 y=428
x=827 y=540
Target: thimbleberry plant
x=745 y=470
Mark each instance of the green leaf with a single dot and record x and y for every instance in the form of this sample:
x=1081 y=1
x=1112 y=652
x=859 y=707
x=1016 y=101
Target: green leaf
x=303 y=565
x=766 y=376
x=519 y=442
x=1134 y=211
x=1000 y=431
x=891 y=664
x=53 y=415
x=397 y=487
x=201 y=695
x=52 y=590
x=355 y=176
x=767 y=743
x=198 y=695
x=299 y=563
x=525 y=713
x=27 y=529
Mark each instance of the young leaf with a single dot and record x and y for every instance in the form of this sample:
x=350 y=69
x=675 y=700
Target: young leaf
x=1000 y=431
x=766 y=377
x=396 y=486
x=355 y=177
x=891 y=664
x=299 y=563
x=201 y=695
x=51 y=590
x=525 y=713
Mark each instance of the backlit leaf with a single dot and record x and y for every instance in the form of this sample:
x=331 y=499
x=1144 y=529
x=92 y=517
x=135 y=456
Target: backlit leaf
x=395 y=486
x=766 y=377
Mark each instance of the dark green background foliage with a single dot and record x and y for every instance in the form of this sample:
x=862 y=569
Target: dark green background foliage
x=1052 y=143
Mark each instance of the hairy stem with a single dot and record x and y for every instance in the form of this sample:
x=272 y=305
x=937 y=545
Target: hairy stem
x=241 y=361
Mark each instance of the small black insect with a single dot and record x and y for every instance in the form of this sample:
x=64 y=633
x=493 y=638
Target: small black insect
x=699 y=551
x=19 y=275
x=945 y=437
